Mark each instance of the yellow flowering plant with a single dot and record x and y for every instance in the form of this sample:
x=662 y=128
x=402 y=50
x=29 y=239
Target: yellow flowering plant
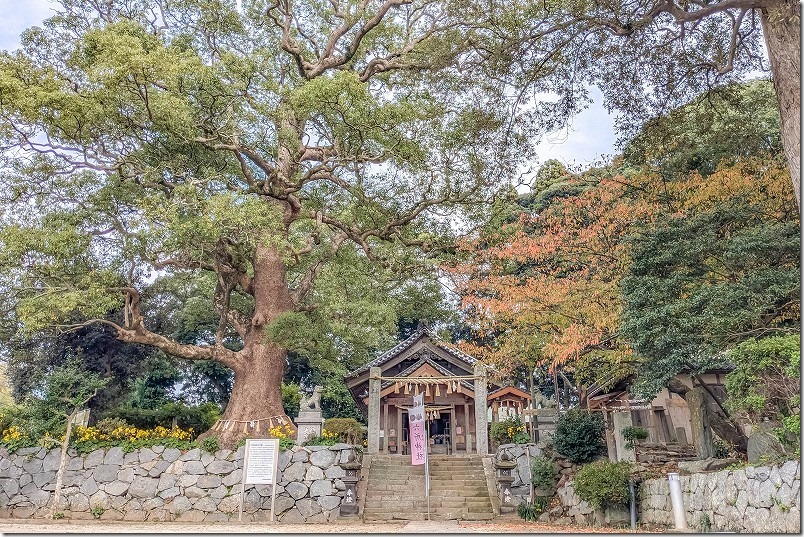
x=14 y=438
x=285 y=434
x=87 y=439
x=327 y=438
x=511 y=430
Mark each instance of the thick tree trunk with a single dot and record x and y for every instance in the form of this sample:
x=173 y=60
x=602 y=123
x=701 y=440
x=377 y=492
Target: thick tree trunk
x=719 y=420
x=256 y=401
x=724 y=426
x=782 y=30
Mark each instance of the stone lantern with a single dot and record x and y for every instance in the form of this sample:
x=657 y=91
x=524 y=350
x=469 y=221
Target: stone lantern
x=504 y=467
x=352 y=467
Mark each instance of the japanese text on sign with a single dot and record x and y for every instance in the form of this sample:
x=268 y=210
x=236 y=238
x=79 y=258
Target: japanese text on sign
x=260 y=461
x=418 y=440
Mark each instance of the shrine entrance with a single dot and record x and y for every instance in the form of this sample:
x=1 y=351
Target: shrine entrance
x=453 y=386
x=439 y=421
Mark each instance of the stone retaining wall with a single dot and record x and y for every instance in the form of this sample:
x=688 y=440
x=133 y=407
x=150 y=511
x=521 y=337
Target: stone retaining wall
x=760 y=499
x=520 y=487
x=170 y=485
x=570 y=508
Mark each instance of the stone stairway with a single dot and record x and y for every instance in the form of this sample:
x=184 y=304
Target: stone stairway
x=458 y=489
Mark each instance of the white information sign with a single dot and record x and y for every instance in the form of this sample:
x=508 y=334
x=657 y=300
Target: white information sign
x=260 y=463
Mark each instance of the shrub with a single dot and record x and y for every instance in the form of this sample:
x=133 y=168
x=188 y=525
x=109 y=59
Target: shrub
x=633 y=433
x=603 y=483
x=107 y=425
x=42 y=417
x=543 y=472
x=210 y=444
x=723 y=449
x=765 y=383
x=14 y=438
x=326 y=439
x=349 y=430
x=199 y=418
x=291 y=397
x=511 y=430
x=579 y=435
x=532 y=512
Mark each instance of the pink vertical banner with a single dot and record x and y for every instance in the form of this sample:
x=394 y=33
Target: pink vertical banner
x=418 y=440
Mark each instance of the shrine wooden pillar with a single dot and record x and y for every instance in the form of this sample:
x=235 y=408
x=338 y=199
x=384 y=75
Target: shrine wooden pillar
x=466 y=428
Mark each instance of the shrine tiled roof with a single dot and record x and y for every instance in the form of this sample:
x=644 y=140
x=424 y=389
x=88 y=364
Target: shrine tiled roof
x=402 y=346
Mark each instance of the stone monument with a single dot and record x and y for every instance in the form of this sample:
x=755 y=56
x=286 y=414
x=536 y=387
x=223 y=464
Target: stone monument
x=309 y=424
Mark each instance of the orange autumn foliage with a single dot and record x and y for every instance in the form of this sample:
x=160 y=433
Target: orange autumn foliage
x=547 y=286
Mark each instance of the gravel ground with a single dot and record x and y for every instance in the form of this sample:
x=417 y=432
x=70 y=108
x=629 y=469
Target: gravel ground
x=61 y=527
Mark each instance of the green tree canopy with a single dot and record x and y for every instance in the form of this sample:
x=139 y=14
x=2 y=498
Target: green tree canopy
x=737 y=121
x=294 y=161
x=722 y=268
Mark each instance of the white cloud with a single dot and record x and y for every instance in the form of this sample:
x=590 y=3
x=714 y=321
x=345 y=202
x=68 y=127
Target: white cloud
x=588 y=137
x=18 y=16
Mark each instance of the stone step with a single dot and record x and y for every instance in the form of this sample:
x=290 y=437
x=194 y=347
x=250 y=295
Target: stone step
x=434 y=508
x=488 y=515
x=433 y=469
x=396 y=474
x=391 y=496
x=399 y=464
x=434 y=515
x=458 y=490
x=394 y=492
x=380 y=478
x=459 y=493
x=466 y=500
x=421 y=501
x=389 y=478
x=433 y=464
x=458 y=484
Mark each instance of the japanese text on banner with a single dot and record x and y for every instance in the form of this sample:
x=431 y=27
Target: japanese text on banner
x=418 y=440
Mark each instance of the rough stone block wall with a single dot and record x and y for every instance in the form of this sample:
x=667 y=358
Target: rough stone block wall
x=761 y=499
x=167 y=484
x=520 y=487
x=652 y=452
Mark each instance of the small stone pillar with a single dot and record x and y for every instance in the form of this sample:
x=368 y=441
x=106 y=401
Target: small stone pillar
x=374 y=411
x=349 y=506
x=621 y=421
x=308 y=425
x=504 y=466
x=701 y=431
x=481 y=412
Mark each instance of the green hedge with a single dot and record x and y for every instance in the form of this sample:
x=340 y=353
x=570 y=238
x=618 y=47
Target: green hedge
x=199 y=418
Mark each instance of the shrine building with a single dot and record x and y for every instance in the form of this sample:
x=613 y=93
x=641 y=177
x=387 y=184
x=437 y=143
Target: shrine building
x=459 y=399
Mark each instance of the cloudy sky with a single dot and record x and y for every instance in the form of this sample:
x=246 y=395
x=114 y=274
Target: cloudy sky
x=589 y=136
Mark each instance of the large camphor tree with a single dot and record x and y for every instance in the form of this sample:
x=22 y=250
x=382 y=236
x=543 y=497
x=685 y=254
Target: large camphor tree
x=647 y=56
x=253 y=153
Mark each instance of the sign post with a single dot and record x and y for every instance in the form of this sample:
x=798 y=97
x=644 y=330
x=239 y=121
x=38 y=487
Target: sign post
x=259 y=468
x=419 y=441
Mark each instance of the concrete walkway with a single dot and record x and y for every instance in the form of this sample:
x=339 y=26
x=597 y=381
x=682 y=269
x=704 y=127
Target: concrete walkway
x=60 y=527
